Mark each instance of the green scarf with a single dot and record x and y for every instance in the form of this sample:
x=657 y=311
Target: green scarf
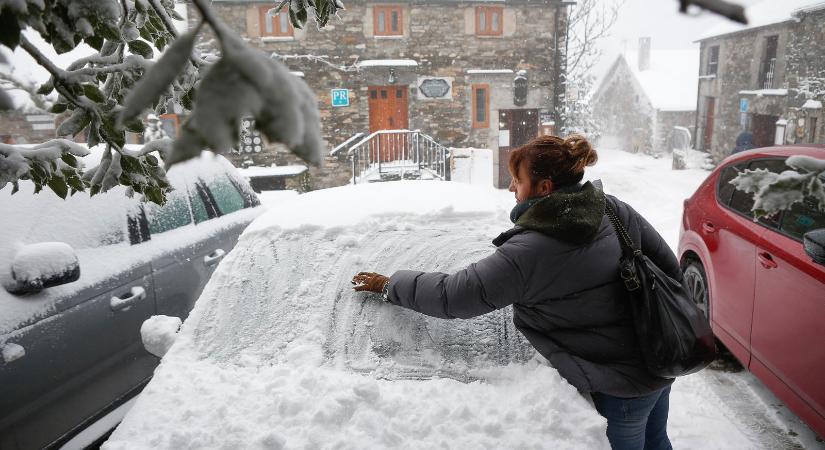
x=572 y=213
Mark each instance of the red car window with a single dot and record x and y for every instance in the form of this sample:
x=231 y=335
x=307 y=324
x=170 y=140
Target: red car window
x=742 y=202
x=802 y=218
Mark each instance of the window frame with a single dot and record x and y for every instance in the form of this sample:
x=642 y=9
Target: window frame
x=487 y=30
x=276 y=22
x=712 y=62
x=185 y=198
x=474 y=106
x=226 y=179
x=387 y=10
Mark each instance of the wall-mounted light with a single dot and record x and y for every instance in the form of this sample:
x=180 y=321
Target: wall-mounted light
x=391 y=79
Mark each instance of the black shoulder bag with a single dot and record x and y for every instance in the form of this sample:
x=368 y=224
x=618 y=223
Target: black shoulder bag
x=673 y=333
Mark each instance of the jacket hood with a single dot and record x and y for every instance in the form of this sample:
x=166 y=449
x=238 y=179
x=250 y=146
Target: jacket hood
x=573 y=217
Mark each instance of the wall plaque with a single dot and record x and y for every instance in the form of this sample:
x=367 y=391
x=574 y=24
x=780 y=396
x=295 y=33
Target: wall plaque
x=435 y=88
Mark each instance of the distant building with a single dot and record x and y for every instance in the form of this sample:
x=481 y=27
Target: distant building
x=26 y=127
x=644 y=95
x=767 y=78
x=469 y=74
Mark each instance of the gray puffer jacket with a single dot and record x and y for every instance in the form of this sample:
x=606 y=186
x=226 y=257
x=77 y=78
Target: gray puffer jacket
x=558 y=267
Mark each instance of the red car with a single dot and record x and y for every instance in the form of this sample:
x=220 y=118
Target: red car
x=763 y=293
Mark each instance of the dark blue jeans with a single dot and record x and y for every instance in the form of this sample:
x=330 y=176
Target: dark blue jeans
x=638 y=423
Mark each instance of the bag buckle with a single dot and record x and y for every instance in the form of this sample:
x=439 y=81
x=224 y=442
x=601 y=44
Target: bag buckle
x=631 y=281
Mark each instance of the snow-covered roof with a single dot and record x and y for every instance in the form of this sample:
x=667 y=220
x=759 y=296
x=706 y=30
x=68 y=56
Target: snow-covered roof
x=671 y=83
x=488 y=71
x=764 y=13
x=273 y=171
x=812 y=104
x=386 y=63
x=761 y=92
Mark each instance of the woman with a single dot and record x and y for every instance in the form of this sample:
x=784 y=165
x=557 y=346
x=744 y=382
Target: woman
x=558 y=267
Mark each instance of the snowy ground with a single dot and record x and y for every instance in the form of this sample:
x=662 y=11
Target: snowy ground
x=279 y=353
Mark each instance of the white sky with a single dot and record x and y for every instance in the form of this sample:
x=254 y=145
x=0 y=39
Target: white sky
x=661 y=20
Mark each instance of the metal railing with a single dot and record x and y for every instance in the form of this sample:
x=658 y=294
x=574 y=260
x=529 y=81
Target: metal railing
x=770 y=69
x=345 y=144
x=387 y=155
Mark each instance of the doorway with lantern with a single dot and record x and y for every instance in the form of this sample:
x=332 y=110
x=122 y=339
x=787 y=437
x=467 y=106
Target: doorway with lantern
x=515 y=127
x=388 y=107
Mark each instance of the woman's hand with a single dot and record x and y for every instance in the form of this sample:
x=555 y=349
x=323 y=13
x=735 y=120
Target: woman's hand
x=370 y=281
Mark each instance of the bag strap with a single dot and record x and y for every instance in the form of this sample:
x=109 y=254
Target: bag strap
x=621 y=232
x=626 y=269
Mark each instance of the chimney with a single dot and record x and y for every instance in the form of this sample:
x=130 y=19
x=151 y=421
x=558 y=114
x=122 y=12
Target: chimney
x=644 y=54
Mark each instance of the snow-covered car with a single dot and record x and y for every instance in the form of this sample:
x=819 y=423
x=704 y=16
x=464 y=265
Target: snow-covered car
x=79 y=277
x=762 y=282
x=280 y=352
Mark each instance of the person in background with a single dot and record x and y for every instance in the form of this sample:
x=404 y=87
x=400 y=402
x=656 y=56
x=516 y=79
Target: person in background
x=744 y=142
x=558 y=268
x=154 y=129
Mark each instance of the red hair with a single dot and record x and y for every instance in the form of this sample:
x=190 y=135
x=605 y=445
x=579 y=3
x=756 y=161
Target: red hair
x=561 y=160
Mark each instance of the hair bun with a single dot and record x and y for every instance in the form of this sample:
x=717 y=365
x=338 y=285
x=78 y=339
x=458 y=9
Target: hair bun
x=581 y=150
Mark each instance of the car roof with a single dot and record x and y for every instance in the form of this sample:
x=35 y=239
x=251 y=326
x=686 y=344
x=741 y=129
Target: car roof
x=816 y=151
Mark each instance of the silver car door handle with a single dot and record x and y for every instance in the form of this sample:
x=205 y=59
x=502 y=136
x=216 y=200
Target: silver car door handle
x=214 y=257
x=136 y=294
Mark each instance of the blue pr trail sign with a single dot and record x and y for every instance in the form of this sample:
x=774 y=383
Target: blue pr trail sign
x=340 y=97
x=743 y=105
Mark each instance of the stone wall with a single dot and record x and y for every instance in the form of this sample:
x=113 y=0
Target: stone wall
x=20 y=128
x=740 y=58
x=799 y=76
x=665 y=121
x=806 y=78
x=440 y=37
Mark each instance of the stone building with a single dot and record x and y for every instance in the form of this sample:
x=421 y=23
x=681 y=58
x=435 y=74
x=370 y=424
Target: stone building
x=469 y=74
x=26 y=127
x=644 y=95
x=767 y=79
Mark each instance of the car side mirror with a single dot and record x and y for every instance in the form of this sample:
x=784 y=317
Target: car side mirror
x=43 y=265
x=814 y=243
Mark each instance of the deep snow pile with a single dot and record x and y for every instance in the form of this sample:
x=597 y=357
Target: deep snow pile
x=279 y=351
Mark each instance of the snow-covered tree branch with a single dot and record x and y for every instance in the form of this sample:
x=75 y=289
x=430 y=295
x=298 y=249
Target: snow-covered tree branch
x=775 y=192
x=590 y=22
x=105 y=94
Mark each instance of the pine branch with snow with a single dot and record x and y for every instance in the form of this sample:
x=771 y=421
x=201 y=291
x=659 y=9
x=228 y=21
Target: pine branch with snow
x=775 y=192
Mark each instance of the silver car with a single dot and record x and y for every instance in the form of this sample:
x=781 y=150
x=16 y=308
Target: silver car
x=80 y=276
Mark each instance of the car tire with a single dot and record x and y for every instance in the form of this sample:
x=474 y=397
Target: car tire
x=696 y=284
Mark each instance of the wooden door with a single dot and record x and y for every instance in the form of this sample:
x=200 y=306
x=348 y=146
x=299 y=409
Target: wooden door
x=389 y=111
x=710 y=107
x=522 y=125
x=764 y=130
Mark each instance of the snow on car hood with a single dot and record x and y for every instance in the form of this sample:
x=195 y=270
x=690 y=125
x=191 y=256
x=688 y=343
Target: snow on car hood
x=279 y=352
